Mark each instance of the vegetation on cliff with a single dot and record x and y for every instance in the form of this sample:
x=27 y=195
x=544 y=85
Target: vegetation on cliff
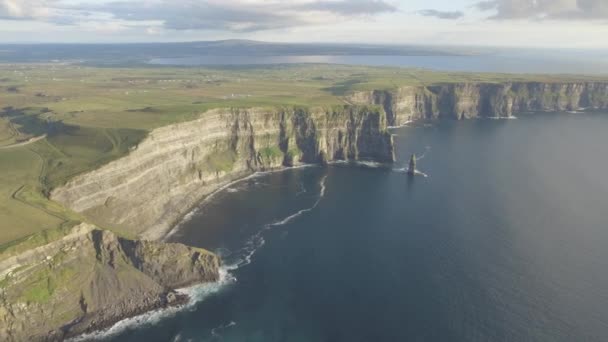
x=88 y=279
x=179 y=164
x=95 y=115
x=132 y=149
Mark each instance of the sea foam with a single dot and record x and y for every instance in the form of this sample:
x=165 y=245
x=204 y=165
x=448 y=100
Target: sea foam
x=198 y=293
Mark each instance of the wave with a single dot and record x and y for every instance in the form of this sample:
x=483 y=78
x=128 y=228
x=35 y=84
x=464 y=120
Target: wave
x=214 y=331
x=416 y=173
x=302 y=190
x=205 y=201
x=420 y=173
x=228 y=187
x=362 y=163
x=244 y=256
x=512 y=117
x=423 y=155
x=418 y=158
x=196 y=293
x=405 y=124
x=303 y=211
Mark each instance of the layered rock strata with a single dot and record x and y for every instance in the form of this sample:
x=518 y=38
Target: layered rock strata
x=90 y=279
x=146 y=192
x=474 y=100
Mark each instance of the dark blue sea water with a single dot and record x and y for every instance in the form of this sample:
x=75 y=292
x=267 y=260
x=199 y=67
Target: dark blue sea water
x=507 y=61
x=505 y=240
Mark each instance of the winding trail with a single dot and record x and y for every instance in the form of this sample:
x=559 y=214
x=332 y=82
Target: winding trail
x=25 y=143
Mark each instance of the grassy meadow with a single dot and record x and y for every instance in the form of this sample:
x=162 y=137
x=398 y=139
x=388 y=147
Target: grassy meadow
x=87 y=116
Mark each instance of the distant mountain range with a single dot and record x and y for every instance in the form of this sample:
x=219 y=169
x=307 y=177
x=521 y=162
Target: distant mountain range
x=141 y=52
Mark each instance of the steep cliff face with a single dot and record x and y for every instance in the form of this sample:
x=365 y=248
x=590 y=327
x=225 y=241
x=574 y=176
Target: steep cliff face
x=472 y=100
x=159 y=181
x=91 y=279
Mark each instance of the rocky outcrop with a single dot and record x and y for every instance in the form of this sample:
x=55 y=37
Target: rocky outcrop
x=473 y=100
x=145 y=192
x=90 y=279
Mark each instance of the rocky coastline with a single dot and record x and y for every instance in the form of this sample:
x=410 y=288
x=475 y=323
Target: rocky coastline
x=89 y=279
x=459 y=101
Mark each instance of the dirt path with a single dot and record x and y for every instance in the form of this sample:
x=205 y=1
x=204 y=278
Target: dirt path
x=31 y=141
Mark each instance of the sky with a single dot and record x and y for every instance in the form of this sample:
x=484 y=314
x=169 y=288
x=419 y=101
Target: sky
x=519 y=23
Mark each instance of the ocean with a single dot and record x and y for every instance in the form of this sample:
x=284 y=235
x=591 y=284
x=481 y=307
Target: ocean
x=501 y=237
x=588 y=62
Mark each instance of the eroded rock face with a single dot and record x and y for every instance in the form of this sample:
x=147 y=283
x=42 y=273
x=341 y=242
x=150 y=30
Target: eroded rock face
x=472 y=100
x=92 y=278
x=176 y=166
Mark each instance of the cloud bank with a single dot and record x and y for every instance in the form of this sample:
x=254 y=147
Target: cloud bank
x=233 y=15
x=546 y=9
x=441 y=14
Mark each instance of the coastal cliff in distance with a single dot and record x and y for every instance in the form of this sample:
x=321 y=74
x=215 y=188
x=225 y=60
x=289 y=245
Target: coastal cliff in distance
x=473 y=100
x=89 y=279
x=146 y=192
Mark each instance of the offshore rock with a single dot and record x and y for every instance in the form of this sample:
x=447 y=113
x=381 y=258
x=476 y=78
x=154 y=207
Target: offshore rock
x=412 y=166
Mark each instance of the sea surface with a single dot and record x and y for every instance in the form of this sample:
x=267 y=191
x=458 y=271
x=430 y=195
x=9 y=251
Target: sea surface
x=591 y=62
x=505 y=239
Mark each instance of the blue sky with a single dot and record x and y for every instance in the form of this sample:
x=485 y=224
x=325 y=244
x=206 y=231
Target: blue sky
x=526 y=23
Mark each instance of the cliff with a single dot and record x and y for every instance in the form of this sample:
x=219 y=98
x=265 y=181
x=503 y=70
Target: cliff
x=145 y=192
x=90 y=279
x=473 y=100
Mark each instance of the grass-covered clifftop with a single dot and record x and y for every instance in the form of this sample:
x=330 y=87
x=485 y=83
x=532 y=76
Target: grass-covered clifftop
x=92 y=116
x=83 y=279
x=146 y=192
x=131 y=150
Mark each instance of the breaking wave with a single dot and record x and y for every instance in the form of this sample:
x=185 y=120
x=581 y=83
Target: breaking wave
x=228 y=187
x=367 y=164
x=245 y=255
x=302 y=190
x=231 y=262
x=402 y=125
x=417 y=172
x=196 y=293
x=215 y=331
x=512 y=117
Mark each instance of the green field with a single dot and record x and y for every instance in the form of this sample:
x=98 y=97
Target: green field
x=86 y=116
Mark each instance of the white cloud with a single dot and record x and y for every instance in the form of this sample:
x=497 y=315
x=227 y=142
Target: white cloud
x=377 y=21
x=234 y=15
x=441 y=14
x=25 y=9
x=546 y=9
x=243 y=15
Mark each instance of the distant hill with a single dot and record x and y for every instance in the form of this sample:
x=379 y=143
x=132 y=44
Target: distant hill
x=141 y=52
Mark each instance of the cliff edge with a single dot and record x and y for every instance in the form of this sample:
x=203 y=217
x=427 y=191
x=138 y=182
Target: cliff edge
x=146 y=192
x=474 y=100
x=90 y=279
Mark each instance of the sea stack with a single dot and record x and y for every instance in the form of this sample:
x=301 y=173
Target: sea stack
x=412 y=167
